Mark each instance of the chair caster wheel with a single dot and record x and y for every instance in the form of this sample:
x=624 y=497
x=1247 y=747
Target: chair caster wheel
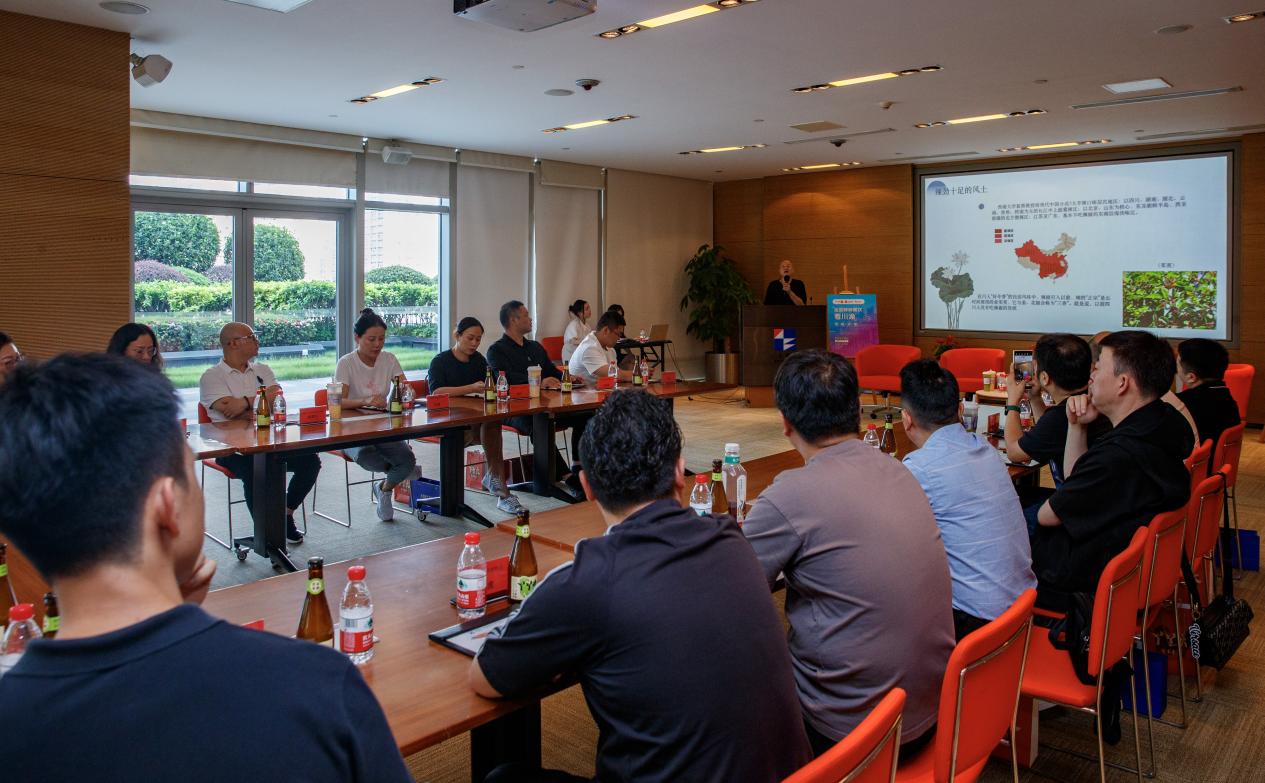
x=421 y=515
x=241 y=554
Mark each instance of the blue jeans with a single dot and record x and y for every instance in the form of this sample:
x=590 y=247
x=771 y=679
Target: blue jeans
x=395 y=459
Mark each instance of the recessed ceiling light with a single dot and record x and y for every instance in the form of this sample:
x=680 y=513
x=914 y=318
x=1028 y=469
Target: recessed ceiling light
x=589 y=124
x=1173 y=29
x=397 y=90
x=1238 y=18
x=672 y=18
x=1138 y=85
x=733 y=148
x=979 y=118
x=1055 y=145
x=280 y=6
x=117 y=7
x=819 y=166
x=874 y=77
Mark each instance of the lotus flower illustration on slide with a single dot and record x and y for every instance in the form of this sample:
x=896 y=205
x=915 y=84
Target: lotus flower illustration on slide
x=955 y=286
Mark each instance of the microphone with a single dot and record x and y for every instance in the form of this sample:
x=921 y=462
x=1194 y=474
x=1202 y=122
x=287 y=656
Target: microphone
x=786 y=278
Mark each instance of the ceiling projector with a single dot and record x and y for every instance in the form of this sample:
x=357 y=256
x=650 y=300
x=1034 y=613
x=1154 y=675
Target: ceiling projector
x=523 y=15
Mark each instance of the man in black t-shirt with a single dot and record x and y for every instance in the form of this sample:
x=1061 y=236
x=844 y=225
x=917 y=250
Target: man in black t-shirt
x=1201 y=365
x=1130 y=474
x=140 y=683
x=513 y=354
x=665 y=622
x=785 y=290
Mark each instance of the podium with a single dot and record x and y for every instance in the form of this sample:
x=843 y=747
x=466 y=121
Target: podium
x=768 y=335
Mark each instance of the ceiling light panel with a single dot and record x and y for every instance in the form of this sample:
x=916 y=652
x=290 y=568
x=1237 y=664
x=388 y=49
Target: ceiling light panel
x=1240 y=18
x=589 y=124
x=874 y=77
x=1139 y=85
x=398 y=89
x=820 y=166
x=724 y=149
x=676 y=16
x=1055 y=145
x=979 y=118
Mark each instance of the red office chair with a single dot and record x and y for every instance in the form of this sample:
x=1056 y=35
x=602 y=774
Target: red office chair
x=1049 y=674
x=968 y=365
x=1203 y=528
x=553 y=347
x=979 y=699
x=878 y=370
x=867 y=755
x=1229 y=448
x=1238 y=379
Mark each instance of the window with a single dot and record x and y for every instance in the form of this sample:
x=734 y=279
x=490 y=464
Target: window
x=305 y=191
x=402 y=253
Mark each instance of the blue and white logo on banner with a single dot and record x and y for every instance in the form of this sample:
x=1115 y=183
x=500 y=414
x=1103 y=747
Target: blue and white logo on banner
x=783 y=339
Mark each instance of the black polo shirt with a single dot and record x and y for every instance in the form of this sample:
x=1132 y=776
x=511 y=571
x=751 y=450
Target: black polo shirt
x=513 y=359
x=1212 y=407
x=774 y=295
x=447 y=370
x=184 y=696
x=1045 y=441
x=1131 y=473
x=667 y=624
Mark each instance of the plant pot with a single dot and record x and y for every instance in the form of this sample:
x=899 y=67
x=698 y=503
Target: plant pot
x=722 y=367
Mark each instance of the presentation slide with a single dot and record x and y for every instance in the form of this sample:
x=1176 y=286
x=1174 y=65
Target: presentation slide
x=1139 y=244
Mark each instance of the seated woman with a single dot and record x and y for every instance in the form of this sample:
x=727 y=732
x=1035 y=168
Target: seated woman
x=577 y=327
x=138 y=343
x=463 y=370
x=368 y=372
x=9 y=356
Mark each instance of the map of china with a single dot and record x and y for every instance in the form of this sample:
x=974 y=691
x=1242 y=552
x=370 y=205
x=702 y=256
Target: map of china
x=1047 y=263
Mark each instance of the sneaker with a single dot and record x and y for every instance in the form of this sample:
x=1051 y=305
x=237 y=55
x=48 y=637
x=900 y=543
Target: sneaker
x=566 y=488
x=573 y=481
x=292 y=531
x=510 y=505
x=495 y=485
x=386 y=512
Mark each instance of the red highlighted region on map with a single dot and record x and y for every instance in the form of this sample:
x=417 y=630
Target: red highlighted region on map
x=1046 y=263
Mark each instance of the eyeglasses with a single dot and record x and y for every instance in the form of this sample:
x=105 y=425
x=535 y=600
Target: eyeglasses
x=9 y=362
x=151 y=351
x=252 y=337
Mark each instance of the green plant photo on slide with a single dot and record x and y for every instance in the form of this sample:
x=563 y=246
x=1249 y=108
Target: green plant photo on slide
x=1169 y=299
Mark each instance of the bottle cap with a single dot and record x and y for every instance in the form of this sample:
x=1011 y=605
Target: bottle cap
x=315 y=561
x=701 y=478
x=472 y=539
x=872 y=426
x=20 y=612
x=356 y=573
x=731 y=447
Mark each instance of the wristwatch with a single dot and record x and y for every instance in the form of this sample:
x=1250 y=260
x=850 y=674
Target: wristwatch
x=1014 y=408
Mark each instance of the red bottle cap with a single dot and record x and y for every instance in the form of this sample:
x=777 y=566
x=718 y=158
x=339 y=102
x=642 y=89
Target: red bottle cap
x=472 y=539
x=20 y=612
x=356 y=573
x=701 y=478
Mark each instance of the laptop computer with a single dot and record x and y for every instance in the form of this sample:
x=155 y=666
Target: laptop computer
x=659 y=332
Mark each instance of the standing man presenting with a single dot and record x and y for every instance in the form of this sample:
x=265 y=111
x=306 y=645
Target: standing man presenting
x=784 y=290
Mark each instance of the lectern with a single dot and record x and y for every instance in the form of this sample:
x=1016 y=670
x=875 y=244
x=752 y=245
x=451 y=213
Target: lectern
x=770 y=334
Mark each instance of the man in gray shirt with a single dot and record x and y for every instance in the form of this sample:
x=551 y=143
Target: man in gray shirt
x=867 y=580
x=972 y=496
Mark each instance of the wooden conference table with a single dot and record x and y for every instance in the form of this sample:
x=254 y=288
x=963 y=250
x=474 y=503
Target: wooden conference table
x=269 y=447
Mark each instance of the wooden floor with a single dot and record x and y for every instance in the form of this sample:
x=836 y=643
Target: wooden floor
x=1224 y=742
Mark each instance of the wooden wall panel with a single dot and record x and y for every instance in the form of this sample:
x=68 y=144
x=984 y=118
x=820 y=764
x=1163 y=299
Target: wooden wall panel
x=65 y=223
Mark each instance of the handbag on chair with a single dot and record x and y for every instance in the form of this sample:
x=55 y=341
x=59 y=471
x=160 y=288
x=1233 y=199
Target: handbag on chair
x=1221 y=626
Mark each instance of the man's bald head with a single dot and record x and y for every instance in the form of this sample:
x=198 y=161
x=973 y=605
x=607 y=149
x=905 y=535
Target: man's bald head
x=239 y=343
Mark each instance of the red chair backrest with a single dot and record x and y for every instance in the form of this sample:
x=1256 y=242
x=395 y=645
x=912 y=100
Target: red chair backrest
x=970 y=363
x=980 y=692
x=1229 y=447
x=1206 y=505
x=553 y=347
x=203 y=416
x=1238 y=379
x=420 y=388
x=1197 y=462
x=322 y=398
x=1162 y=555
x=1116 y=606
x=885 y=359
x=867 y=755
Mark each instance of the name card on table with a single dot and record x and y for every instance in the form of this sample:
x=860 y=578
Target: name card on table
x=668 y=376
x=520 y=391
x=498 y=576
x=257 y=625
x=436 y=402
x=184 y=427
x=313 y=415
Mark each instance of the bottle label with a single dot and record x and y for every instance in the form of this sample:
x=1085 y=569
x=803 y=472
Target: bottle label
x=4 y=569
x=718 y=477
x=702 y=509
x=356 y=635
x=522 y=531
x=262 y=420
x=315 y=586
x=521 y=587
x=396 y=407
x=471 y=590
x=731 y=459
x=566 y=386
x=52 y=624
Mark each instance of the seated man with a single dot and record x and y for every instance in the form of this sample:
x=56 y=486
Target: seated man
x=227 y=391
x=1130 y=474
x=513 y=354
x=867 y=580
x=972 y=496
x=593 y=357
x=665 y=621
x=140 y=682
x=10 y=356
x=1060 y=368
x=1201 y=367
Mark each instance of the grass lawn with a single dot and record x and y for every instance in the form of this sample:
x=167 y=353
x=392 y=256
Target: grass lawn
x=303 y=367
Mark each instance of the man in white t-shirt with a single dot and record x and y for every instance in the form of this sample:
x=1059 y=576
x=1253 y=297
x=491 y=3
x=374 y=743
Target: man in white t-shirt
x=227 y=391
x=595 y=353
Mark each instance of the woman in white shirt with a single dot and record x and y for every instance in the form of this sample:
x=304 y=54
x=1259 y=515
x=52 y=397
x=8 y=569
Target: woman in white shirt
x=577 y=327
x=368 y=372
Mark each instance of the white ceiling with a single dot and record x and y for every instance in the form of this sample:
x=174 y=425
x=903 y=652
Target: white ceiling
x=705 y=82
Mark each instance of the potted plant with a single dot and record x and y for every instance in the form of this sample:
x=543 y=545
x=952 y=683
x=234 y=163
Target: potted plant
x=715 y=293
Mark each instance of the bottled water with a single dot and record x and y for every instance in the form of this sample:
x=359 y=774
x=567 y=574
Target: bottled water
x=472 y=580
x=701 y=495
x=735 y=483
x=871 y=436
x=612 y=372
x=22 y=629
x=279 y=411
x=502 y=388
x=355 y=618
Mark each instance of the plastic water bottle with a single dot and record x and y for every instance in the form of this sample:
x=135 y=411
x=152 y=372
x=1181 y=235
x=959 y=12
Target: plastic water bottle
x=1025 y=413
x=355 y=618
x=502 y=388
x=22 y=629
x=407 y=396
x=871 y=436
x=612 y=372
x=735 y=483
x=472 y=580
x=701 y=495
x=279 y=411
